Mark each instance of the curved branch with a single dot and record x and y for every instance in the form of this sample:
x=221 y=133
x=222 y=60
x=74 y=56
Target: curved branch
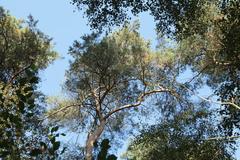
x=18 y=73
x=211 y=101
x=139 y=100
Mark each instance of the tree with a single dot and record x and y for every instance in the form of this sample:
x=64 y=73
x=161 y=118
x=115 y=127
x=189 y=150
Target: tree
x=184 y=137
x=24 y=50
x=171 y=16
x=110 y=77
x=207 y=31
x=216 y=56
x=22 y=44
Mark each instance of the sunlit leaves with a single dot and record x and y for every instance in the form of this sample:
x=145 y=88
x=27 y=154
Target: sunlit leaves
x=22 y=44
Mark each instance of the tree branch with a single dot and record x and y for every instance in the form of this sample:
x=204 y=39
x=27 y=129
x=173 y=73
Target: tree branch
x=223 y=138
x=60 y=110
x=139 y=101
x=211 y=101
x=18 y=73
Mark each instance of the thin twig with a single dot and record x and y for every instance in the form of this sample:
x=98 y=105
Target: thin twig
x=60 y=110
x=18 y=73
x=211 y=101
x=222 y=138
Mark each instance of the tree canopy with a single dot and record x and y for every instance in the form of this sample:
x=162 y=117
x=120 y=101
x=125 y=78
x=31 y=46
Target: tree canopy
x=117 y=85
x=22 y=44
x=207 y=33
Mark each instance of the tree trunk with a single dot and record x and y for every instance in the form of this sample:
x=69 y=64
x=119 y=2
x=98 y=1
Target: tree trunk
x=92 y=138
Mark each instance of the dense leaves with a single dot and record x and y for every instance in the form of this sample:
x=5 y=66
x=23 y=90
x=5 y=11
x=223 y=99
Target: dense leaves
x=22 y=44
x=185 y=137
x=17 y=103
x=24 y=51
x=23 y=135
x=170 y=15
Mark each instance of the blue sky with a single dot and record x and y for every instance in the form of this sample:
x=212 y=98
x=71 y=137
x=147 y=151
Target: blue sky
x=58 y=20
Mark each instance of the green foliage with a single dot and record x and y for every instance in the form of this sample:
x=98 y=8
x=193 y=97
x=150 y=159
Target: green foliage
x=103 y=153
x=214 y=53
x=171 y=16
x=22 y=44
x=24 y=50
x=185 y=137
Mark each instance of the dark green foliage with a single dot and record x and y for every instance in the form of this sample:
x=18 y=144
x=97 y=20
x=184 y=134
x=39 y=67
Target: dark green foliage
x=24 y=50
x=50 y=148
x=171 y=15
x=103 y=153
x=185 y=137
x=17 y=115
x=22 y=132
x=229 y=89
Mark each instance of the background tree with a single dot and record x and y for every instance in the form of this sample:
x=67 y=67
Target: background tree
x=24 y=51
x=216 y=54
x=22 y=45
x=186 y=136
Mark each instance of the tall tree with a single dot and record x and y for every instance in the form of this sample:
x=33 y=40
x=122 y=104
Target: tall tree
x=109 y=78
x=24 y=50
x=208 y=33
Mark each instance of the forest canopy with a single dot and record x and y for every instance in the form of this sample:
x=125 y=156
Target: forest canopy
x=118 y=87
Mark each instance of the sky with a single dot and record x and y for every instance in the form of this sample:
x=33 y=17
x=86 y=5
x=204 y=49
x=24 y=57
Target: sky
x=60 y=20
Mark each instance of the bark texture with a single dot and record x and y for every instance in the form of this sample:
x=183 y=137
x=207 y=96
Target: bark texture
x=92 y=138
